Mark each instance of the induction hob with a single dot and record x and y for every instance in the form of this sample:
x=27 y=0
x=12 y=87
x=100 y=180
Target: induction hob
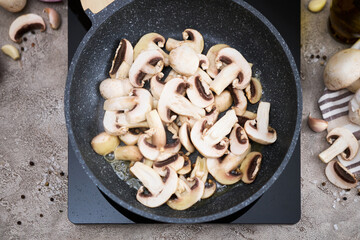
x=279 y=205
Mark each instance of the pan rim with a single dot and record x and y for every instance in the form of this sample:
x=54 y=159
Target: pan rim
x=117 y=5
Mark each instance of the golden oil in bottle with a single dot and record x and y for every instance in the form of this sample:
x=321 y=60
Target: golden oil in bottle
x=345 y=20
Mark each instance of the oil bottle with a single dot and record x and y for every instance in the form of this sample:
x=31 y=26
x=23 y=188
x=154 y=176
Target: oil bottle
x=345 y=20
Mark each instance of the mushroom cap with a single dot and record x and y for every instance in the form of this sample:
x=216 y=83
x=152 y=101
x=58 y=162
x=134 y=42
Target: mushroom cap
x=124 y=53
x=240 y=101
x=192 y=38
x=199 y=92
x=353 y=146
x=149 y=41
x=111 y=88
x=175 y=161
x=25 y=23
x=189 y=197
x=342 y=69
x=224 y=169
x=156 y=85
x=211 y=55
x=340 y=176
x=142 y=107
x=184 y=60
x=239 y=142
x=250 y=166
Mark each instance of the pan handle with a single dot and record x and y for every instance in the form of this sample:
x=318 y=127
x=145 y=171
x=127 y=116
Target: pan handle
x=95 y=6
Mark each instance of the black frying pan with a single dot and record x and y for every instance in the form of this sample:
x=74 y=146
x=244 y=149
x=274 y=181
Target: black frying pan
x=232 y=22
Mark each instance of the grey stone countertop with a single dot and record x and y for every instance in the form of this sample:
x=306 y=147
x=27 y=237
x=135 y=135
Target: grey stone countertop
x=33 y=148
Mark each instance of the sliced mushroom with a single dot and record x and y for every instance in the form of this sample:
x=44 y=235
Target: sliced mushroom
x=246 y=116
x=104 y=143
x=184 y=136
x=212 y=114
x=237 y=71
x=142 y=107
x=147 y=175
x=199 y=92
x=224 y=169
x=148 y=64
x=343 y=142
x=186 y=61
x=211 y=55
x=354 y=108
x=112 y=88
x=131 y=136
x=115 y=123
x=174 y=129
x=209 y=190
x=340 y=176
x=172 y=74
x=122 y=61
x=192 y=38
x=155 y=123
x=220 y=129
x=175 y=161
x=128 y=153
x=183 y=119
x=25 y=23
x=204 y=76
x=240 y=101
x=187 y=165
x=206 y=149
x=239 y=142
x=187 y=194
x=223 y=101
x=254 y=90
x=250 y=167
x=120 y=103
x=172 y=101
x=151 y=41
x=258 y=129
x=156 y=85
x=200 y=169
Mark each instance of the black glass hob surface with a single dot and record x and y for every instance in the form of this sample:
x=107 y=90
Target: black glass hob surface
x=279 y=205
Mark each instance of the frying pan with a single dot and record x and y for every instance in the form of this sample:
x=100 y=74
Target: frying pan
x=233 y=22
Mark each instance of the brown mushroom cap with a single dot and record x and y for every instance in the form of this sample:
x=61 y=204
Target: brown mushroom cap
x=340 y=176
x=25 y=23
x=342 y=69
x=199 y=92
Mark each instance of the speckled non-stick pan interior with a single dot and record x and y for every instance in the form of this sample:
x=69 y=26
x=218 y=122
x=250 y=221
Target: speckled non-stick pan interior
x=232 y=22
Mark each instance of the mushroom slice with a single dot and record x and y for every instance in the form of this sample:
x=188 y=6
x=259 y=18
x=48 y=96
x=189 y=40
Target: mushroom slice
x=184 y=119
x=174 y=129
x=200 y=169
x=156 y=85
x=112 y=88
x=115 y=123
x=239 y=142
x=184 y=136
x=204 y=76
x=254 y=91
x=209 y=190
x=246 y=116
x=240 y=101
x=155 y=123
x=130 y=137
x=212 y=114
x=172 y=74
x=207 y=150
x=122 y=61
x=25 y=23
x=142 y=107
x=211 y=55
x=343 y=142
x=236 y=71
x=354 y=108
x=175 y=161
x=172 y=100
x=250 y=166
x=340 y=176
x=187 y=194
x=192 y=38
x=104 y=143
x=259 y=130
x=224 y=169
x=120 y=103
x=128 y=153
x=220 y=129
x=199 y=92
x=151 y=41
x=187 y=165
x=223 y=101
x=148 y=64
x=146 y=176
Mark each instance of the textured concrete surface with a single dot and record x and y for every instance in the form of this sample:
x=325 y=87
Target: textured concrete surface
x=33 y=198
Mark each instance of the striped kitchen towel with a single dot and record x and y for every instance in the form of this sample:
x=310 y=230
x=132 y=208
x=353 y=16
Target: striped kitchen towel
x=334 y=109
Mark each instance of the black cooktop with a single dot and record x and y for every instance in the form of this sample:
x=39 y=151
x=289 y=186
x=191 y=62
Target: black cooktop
x=279 y=205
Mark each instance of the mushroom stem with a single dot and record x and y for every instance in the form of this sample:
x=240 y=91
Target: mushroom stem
x=356 y=44
x=262 y=118
x=335 y=149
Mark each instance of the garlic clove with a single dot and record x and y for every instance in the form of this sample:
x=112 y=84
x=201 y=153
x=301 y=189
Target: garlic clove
x=316 y=5
x=316 y=124
x=11 y=51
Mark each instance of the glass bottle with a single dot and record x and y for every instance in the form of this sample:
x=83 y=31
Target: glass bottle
x=345 y=20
